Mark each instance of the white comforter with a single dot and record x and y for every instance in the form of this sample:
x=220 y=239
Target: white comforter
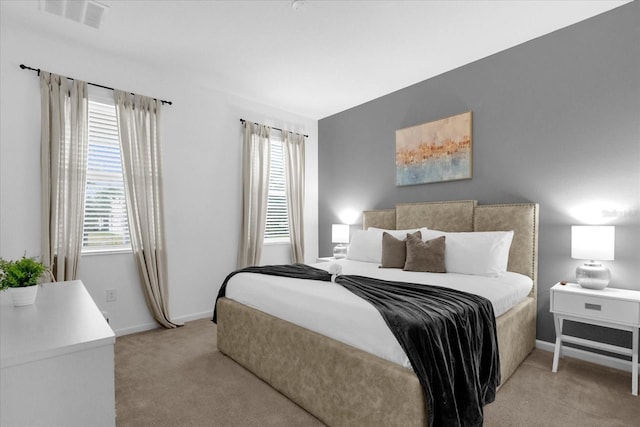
x=331 y=310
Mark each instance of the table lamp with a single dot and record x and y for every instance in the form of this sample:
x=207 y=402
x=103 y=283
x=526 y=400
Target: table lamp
x=340 y=235
x=594 y=243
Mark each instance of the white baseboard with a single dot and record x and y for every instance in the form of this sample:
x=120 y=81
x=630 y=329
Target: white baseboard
x=587 y=356
x=149 y=326
x=194 y=316
x=135 y=329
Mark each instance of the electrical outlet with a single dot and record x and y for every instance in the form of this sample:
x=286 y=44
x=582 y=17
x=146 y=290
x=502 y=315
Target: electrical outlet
x=111 y=295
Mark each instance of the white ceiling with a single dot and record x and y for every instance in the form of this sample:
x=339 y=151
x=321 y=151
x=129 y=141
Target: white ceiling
x=318 y=60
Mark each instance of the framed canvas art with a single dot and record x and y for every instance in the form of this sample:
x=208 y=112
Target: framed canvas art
x=437 y=151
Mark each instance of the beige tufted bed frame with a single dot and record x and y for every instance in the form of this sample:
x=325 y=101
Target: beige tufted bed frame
x=344 y=386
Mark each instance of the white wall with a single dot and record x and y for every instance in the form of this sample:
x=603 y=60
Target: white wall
x=201 y=141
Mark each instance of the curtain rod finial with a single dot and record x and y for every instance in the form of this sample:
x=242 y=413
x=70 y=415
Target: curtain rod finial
x=26 y=67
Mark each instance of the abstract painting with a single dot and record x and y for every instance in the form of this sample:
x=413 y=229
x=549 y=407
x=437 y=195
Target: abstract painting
x=434 y=152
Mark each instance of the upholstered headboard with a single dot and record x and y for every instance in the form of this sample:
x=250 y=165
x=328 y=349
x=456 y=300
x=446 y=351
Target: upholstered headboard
x=467 y=215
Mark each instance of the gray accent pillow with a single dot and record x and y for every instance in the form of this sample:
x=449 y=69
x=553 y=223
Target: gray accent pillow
x=394 y=251
x=425 y=256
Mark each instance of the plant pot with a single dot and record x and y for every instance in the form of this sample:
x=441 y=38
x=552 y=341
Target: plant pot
x=23 y=296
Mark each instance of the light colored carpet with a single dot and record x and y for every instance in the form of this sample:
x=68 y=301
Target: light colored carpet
x=178 y=377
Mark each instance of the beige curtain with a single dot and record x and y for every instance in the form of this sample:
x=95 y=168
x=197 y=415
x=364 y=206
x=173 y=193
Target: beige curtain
x=256 y=157
x=138 y=118
x=294 y=172
x=64 y=141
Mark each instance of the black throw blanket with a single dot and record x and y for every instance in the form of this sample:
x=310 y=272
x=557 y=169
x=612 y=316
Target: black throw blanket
x=449 y=337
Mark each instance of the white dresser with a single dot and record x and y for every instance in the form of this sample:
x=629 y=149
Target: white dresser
x=57 y=360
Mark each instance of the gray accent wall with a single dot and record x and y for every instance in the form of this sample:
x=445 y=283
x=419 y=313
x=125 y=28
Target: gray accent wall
x=556 y=121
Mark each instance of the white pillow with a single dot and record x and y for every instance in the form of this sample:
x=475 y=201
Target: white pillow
x=483 y=253
x=366 y=245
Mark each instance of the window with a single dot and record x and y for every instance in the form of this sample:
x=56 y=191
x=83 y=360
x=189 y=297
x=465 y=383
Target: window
x=105 y=212
x=277 y=227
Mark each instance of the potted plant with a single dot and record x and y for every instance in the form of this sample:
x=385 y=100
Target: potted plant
x=21 y=278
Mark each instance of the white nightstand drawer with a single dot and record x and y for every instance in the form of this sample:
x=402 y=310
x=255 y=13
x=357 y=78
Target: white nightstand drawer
x=607 y=309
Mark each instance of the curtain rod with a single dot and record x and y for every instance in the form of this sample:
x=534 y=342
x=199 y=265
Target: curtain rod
x=272 y=127
x=37 y=70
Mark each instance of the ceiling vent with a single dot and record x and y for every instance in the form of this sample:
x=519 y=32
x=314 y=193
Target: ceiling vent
x=87 y=12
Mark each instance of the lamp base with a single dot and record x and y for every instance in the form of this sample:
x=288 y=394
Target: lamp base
x=339 y=251
x=593 y=275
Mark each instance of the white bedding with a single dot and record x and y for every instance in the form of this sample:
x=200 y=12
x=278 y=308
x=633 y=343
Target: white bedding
x=331 y=310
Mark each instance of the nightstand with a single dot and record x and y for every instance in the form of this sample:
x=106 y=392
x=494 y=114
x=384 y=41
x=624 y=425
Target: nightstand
x=610 y=307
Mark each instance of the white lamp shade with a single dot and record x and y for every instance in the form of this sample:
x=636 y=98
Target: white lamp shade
x=340 y=233
x=593 y=242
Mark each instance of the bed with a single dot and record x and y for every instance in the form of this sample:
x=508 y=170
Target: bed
x=343 y=385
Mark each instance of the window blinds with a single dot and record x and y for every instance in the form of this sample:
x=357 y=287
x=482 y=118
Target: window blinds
x=277 y=226
x=105 y=220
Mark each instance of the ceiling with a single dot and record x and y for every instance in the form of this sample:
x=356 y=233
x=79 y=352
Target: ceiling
x=319 y=59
